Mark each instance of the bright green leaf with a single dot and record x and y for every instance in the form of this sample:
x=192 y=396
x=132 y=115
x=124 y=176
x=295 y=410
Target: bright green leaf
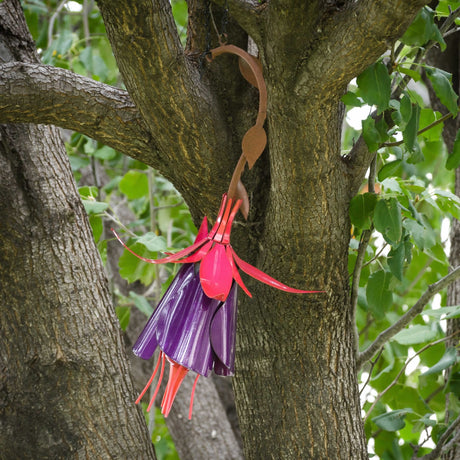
x=141 y=303
x=387 y=220
x=411 y=129
x=361 y=208
x=449 y=359
x=375 y=86
x=442 y=86
x=351 y=100
x=134 y=185
x=379 y=296
x=392 y=421
x=123 y=314
x=94 y=207
x=428 y=117
x=423 y=29
x=152 y=242
x=411 y=73
x=396 y=259
x=415 y=334
x=389 y=169
x=423 y=237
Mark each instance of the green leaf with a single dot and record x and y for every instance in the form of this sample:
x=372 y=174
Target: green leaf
x=405 y=110
x=141 y=303
x=411 y=73
x=423 y=29
x=375 y=86
x=134 y=184
x=442 y=86
x=427 y=117
x=450 y=312
x=453 y=160
x=387 y=220
x=423 y=237
x=351 y=100
x=123 y=314
x=361 y=208
x=379 y=296
x=96 y=226
x=94 y=207
x=374 y=133
x=392 y=421
x=449 y=359
x=396 y=259
x=415 y=334
x=389 y=169
x=105 y=153
x=411 y=129
x=133 y=269
x=152 y=242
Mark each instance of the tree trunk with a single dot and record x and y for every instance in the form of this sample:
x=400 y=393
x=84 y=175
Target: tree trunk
x=65 y=387
x=296 y=389
x=449 y=60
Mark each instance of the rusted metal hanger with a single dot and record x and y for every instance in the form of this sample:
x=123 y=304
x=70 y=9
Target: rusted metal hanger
x=255 y=139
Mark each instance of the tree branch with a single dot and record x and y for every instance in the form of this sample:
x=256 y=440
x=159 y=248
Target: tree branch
x=365 y=29
x=441 y=445
x=387 y=334
x=34 y=93
x=165 y=84
x=248 y=14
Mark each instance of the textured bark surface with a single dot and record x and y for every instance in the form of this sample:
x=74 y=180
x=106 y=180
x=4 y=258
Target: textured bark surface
x=450 y=62
x=65 y=386
x=296 y=388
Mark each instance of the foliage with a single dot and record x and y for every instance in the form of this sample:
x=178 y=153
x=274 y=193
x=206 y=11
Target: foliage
x=405 y=216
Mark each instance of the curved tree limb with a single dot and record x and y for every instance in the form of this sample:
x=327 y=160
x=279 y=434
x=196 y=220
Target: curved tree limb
x=41 y=94
x=150 y=57
x=387 y=334
x=366 y=29
x=442 y=444
x=248 y=13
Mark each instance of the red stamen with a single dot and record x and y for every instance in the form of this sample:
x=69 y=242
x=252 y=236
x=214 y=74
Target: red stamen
x=228 y=228
x=138 y=400
x=177 y=374
x=192 y=397
x=159 y=382
x=223 y=225
x=219 y=217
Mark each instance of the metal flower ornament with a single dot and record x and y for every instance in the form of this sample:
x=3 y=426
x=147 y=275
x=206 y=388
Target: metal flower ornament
x=194 y=325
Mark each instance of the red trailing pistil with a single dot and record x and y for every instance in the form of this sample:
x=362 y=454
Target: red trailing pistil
x=219 y=262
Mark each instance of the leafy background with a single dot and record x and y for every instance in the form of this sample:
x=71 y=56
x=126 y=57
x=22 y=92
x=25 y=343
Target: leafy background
x=404 y=211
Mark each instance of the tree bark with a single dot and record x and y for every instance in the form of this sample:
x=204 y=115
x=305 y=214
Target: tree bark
x=449 y=60
x=65 y=386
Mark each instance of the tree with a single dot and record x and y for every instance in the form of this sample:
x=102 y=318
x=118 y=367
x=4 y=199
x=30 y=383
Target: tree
x=296 y=387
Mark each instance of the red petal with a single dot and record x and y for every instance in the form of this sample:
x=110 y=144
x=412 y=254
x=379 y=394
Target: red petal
x=198 y=255
x=261 y=276
x=150 y=261
x=216 y=273
x=179 y=255
x=202 y=231
x=236 y=274
x=177 y=374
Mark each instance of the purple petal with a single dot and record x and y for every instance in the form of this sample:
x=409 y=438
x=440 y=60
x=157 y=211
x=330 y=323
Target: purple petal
x=223 y=334
x=182 y=328
x=147 y=342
